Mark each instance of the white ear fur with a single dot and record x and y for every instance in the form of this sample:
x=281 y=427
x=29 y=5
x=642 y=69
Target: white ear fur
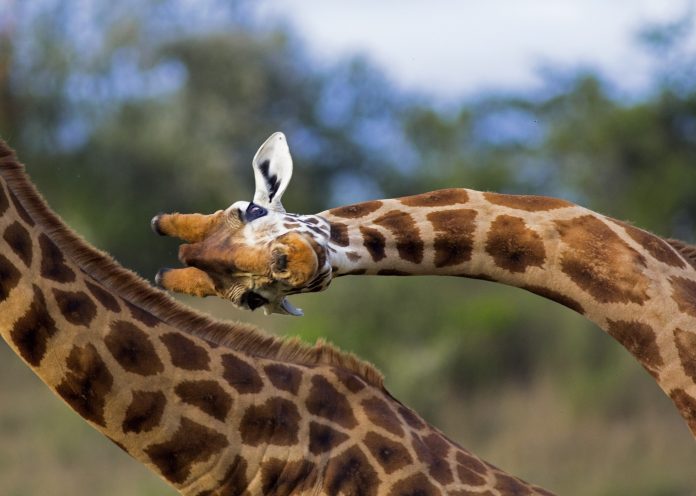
x=272 y=172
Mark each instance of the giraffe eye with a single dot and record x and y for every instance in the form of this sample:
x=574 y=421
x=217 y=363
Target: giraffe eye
x=253 y=300
x=254 y=211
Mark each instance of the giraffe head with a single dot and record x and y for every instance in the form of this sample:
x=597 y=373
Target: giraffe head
x=253 y=253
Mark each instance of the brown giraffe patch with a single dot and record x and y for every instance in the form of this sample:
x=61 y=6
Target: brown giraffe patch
x=454 y=231
x=9 y=277
x=349 y=379
x=191 y=443
x=339 y=234
x=323 y=438
x=4 y=203
x=206 y=395
x=513 y=246
x=53 y=265
x=31 y=332
x=440 y=198
x=351 y=473
x=381 y=415
x=75 y=306
x=374 y=241
x=654 y=245
x=686 y=405
x=284 y=478
x=557 y=297
x=404 y=229
x=325 y=401
x=411 y=418
x=132 y=349
x=144 y=412
x=103 y=297
x=415 y=485
x=530 y=203
x=234 y=482
x=276 y=421
x=356 y=211
x=240 y=375
x=141 y=315
x=21 y=210
x=185 y=353
x=640 y=340
x=600 y=262
x=511 y=485
x=471 y=462
x=18 y=239
x=86 y=383
x=686 y=346
x=470 y=477
x=392 y=456
x=684 y=294
x=432 y=450
x=284 y=377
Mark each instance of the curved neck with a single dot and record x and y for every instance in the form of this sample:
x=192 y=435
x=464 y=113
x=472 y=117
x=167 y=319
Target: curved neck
x=632 y=284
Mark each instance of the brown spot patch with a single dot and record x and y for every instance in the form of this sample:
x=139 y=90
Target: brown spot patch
x=284 y=377
x=21 y=210
x=339 y=233
x=374 y=242
x=557 y=297
x=454 y=230
x=432 y=450
x=530 y=203
x=381 y=415
x=185 y=353
x=206 y=395
x=684 y=294
x=404 y=229
x=513 y=246
x=31 y=332
x=415 y=485
x=241 y=375
x=132 y=349
x=144 y=412
x=76 y=306
x=349 y=379
x=103 y=297
x=411 y=418
x=283 y=478
x=276 y=421
x=686 y=346
x=351 y=473
x=471 y=462
x=18 y=239
x=600 y=262
x=53 y=264
x=440 y=198
x=356 y=211
x=323 y=438
x=639 y=339
x=4 y=203
x=9 y=277
x=192 y=443
x=654 y=245
x=325 y=401
x=511 y=485
x=392 y=456
x=234 y=482
x=686 y=405
x=141 y=315
x=86 y=383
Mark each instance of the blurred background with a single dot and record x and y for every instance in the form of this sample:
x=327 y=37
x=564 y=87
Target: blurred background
x=129 y=108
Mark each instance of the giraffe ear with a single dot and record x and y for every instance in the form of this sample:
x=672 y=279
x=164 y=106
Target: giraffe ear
x=272 y=172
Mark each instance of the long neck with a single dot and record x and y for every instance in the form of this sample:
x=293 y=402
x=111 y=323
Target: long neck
x=213 y=408
x=631 y=283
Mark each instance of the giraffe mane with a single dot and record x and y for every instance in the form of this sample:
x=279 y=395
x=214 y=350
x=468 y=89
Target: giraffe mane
x=685 y=250
x=238 y=336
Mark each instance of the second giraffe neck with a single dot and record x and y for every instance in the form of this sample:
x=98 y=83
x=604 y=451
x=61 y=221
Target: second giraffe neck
x=634 y=285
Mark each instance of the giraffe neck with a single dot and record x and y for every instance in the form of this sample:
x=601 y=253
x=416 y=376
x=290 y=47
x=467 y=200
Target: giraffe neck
x=213 y=408
x=631 y=283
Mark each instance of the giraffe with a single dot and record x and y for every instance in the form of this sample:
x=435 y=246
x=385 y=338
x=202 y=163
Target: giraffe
x=214 y=408
x=634 y=285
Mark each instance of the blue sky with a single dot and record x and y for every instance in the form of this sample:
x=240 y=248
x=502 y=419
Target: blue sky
x=459 y=48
